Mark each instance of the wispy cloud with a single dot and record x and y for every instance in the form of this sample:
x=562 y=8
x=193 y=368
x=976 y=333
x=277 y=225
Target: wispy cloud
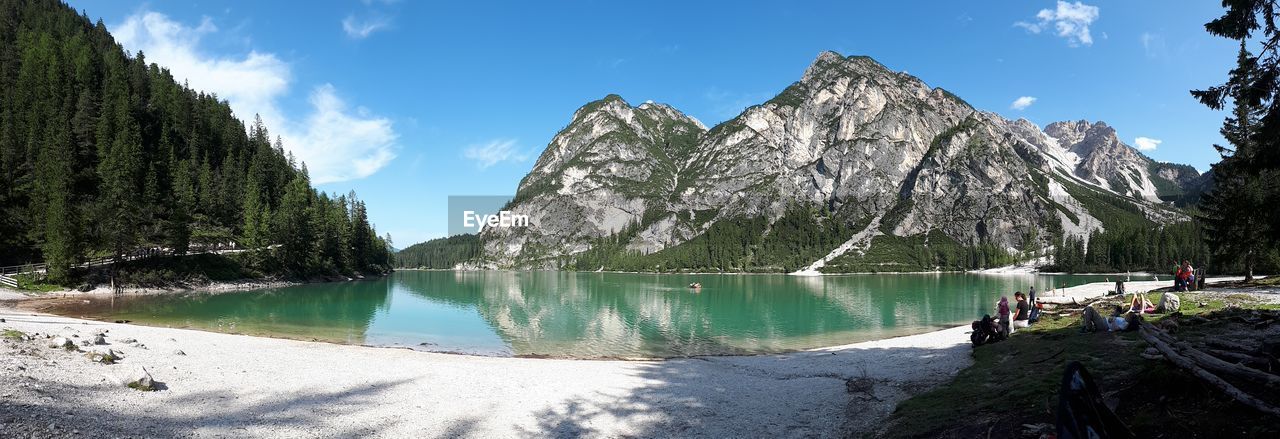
x=1068 y=20
x=1147 y=143
x=494 y=152
x=361 y=28
x=1153 y=45
x=1023 y=102
x=610 y=63
x=335 y=142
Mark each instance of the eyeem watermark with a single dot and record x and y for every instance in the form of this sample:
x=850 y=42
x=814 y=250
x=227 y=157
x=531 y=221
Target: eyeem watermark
x=504 y=218
x=474 y=213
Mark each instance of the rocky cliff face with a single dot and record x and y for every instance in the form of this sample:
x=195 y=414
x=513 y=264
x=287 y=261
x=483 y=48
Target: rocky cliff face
x=878 y=150
x=611 y=165
x=1109 y=163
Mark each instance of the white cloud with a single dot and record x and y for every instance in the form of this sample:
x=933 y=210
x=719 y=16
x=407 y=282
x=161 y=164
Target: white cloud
x=1068 y=20
x=335 y=143
x=494 y=152
x=1147 y=143
x=346 y=146
x=360 y=29
x=1153 y=45
x=1023 y=102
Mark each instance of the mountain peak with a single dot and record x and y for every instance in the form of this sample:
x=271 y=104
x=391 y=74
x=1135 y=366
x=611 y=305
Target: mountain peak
x=610 y=100
x=828 y=56
x=829 y=60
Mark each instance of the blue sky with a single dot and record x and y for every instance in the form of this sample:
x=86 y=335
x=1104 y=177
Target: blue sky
x=410 y=102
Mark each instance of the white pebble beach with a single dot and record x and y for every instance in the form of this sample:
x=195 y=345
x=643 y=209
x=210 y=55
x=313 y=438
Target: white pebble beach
x=225 y=385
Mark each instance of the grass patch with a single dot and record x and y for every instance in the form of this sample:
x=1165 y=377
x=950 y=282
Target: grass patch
x=1015 y=382
x=13 y=334
x=31 y=282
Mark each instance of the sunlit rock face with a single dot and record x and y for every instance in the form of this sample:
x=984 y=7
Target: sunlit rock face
x=853 y=137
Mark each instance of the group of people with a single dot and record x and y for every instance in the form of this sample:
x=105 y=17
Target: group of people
x=1128 y=319
x=1184 y=276
x=1010 y=317
x=1021 y=314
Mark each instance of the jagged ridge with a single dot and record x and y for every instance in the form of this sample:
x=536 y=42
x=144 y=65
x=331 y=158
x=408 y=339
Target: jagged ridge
x=851 y=146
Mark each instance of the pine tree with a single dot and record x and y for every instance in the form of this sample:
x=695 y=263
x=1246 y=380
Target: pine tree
x=255 y=232
x=1234 y=212
x=1240 y=214
x=59 y=240
x=120 y=170
x=293 y=225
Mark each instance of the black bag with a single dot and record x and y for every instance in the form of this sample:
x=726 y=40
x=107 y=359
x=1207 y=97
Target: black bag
x=986 y=331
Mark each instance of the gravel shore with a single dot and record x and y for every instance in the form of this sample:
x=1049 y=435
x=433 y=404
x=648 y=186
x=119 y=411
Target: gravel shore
x=223 y=385
x=1082 y=293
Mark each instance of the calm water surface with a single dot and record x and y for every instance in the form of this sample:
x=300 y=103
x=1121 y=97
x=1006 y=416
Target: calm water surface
x=590 y=315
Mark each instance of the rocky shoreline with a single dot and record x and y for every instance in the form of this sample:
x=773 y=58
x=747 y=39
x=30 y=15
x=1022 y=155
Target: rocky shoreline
x=7 y=294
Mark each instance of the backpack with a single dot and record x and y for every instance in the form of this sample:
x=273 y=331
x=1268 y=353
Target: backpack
x=985 y=331
x=1081 y=412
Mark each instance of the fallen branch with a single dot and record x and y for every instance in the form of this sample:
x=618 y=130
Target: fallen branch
x=1169 y=352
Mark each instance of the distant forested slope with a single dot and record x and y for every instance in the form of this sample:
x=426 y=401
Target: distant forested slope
x=440 y=253
x=103 y=154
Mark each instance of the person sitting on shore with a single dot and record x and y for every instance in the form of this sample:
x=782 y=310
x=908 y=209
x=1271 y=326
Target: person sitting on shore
x=1023 y=312
x=1141 y=305
x=1181 y=275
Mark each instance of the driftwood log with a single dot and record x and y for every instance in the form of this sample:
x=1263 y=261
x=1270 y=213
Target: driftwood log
x=1239 y=357
x=1149 y=333
x=1228 y=344
x=1214 y=363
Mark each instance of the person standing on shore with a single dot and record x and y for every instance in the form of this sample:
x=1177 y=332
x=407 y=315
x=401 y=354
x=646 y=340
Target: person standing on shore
x=1179 y=277
x=1002 y=309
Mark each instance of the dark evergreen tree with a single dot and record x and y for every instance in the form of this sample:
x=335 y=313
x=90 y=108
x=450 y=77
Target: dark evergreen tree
x=1241 y=213
x=1234 y=212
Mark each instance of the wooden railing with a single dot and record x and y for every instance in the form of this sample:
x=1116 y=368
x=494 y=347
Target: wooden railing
x=8 y=275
